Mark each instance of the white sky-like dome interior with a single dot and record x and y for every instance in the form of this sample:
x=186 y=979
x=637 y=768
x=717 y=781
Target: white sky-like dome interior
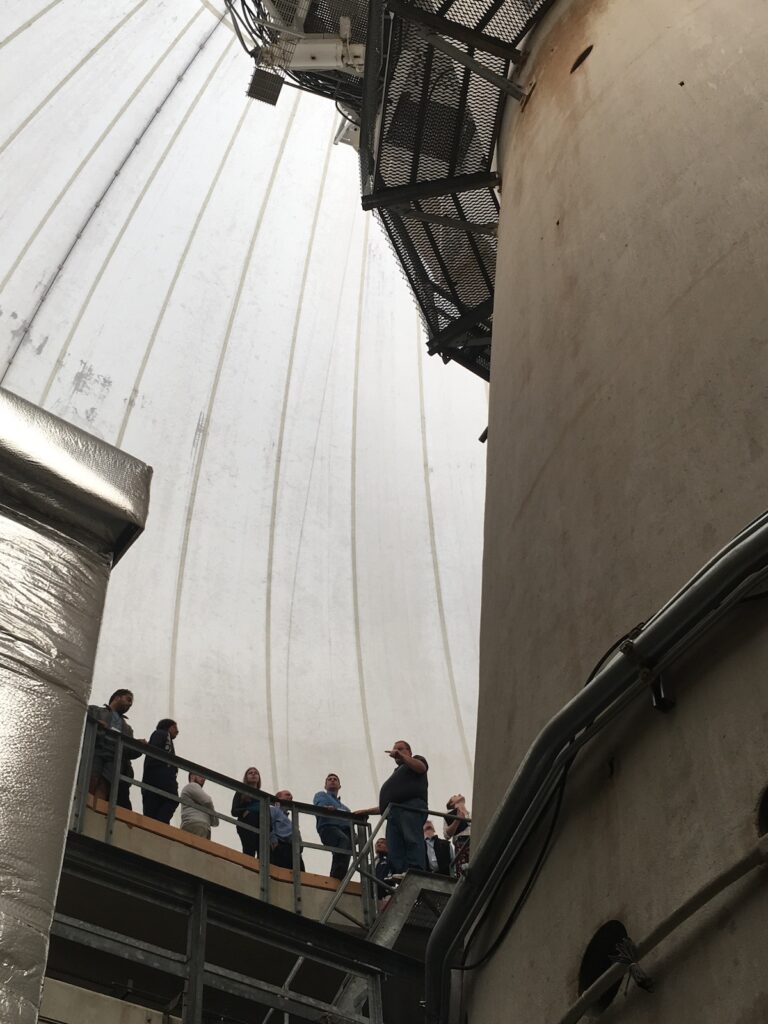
x=188 y=274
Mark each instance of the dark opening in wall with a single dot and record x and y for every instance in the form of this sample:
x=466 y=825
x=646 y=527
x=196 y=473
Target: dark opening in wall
x=597 y=960
x=762 y=815
x=581 y=58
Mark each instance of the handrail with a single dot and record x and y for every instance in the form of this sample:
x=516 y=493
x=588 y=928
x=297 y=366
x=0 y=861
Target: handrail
x=358 y=823
x=723 y=582
x=324 y=917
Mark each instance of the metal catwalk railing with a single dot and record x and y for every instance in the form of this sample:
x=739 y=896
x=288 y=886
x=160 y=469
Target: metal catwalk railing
x=194 y=969
x=437 y=76
x=361 y=852
x=428 y=111
x=363 y=836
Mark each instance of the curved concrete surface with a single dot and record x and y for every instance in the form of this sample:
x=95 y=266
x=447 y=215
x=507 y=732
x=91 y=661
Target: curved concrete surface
x=628 y=442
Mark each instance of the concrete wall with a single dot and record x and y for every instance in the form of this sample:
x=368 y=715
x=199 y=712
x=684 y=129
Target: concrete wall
x=628 y=442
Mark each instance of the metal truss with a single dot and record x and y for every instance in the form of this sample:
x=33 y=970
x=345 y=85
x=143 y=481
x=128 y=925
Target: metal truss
x=205 y=905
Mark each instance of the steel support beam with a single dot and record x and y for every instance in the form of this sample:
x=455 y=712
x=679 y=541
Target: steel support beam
x=502 y=84
x=197 y=926
x=400 y=194
x=293 y=1003
x=449 y=222
x=128 y=873
x=83 y=933
x=463 y=325
x=446 y=27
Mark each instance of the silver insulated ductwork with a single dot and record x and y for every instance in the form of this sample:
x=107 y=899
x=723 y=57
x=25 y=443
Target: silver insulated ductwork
x=69 y=507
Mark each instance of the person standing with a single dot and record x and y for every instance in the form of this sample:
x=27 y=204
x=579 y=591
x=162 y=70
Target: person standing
x=438 y=851
x=406 y=790
x=333 y=832
x=281 y=836
x=161 y=775
x=246 y=808
x=198 y=814
x=112 y=715
x=382 y=869
x=458 y=828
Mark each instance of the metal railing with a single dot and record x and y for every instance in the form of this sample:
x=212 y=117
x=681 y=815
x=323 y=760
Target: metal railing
x=361 y=853
x=429 y=130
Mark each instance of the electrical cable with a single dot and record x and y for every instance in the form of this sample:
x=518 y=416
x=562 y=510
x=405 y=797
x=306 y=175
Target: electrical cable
x=525 y=892
x=345 y=115
x=557 y=797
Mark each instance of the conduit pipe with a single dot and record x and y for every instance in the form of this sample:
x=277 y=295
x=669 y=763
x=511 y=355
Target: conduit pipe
x=755 y=858
x=69 y=507
x=724 y=581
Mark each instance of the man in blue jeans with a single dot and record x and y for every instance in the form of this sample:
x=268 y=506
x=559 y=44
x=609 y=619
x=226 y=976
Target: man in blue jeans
x=332 y=831
x=406 y=789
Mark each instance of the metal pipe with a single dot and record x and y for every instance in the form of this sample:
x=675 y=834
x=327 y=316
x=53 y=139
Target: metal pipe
x=739 y=567
x=70 y=505
x=756 y=857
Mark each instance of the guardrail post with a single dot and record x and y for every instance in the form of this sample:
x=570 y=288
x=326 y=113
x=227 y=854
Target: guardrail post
x=83 y=776
x=192 y=1012
x=368 y=893
x=114 y=788
x=296 y=859
x=265 y=830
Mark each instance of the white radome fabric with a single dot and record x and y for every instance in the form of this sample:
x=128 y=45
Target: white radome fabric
x=188 y=274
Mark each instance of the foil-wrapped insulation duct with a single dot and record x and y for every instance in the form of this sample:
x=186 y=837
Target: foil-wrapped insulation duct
x=69 y=506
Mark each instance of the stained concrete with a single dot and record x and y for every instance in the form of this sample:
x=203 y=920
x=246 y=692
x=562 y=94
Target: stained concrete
x=628 y=441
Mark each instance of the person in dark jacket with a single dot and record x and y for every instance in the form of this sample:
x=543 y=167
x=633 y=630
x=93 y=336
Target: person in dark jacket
x=382 y=869
x=438 y=851
x=112 y=715
x=161 y=775
x=406 y=790
x=246 y=809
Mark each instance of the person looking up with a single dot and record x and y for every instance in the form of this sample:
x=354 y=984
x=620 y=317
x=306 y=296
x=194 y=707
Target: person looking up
x=458 y=827
x=160 y=775
x=198 y=814
x=438 y=851
x=333 y=832
x=112 y=715
x=246 y=809
x=406 y=790
x=281 y=836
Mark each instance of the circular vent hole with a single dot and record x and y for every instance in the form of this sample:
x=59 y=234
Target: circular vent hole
x=581 y=58
x=762 y=815
x=597 y=960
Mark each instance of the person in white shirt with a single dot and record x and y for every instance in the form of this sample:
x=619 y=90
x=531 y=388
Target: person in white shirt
x=198 y=814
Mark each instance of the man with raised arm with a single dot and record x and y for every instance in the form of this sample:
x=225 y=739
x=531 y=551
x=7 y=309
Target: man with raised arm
x=406 y=790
